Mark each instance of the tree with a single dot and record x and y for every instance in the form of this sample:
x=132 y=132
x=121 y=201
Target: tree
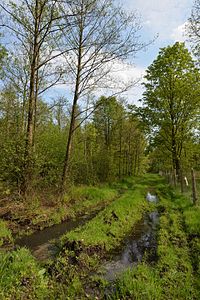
x=171 y=100
x=101 y=34
x=194 y=27
x=34 y=27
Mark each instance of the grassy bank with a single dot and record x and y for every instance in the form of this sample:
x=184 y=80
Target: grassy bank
x=5 y=234
x=83 y=248
x=36 y=214
x=176 y=274
x=76 y=272
x=110 y=226
x=21 y=277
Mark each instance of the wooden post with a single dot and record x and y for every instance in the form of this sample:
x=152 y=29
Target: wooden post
x=194 y=188
x=182 y=181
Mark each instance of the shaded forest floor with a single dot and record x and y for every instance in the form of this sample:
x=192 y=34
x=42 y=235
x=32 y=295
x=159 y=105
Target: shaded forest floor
x=78 y=269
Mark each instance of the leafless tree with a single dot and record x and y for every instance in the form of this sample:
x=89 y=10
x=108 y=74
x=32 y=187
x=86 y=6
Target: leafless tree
x=102 y=35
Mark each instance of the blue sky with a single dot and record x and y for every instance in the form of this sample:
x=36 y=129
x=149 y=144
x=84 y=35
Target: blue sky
x=166 y=18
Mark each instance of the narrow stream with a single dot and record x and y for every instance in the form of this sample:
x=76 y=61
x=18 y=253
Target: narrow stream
x=143 y=240
x=43 y=243
x=140 y=244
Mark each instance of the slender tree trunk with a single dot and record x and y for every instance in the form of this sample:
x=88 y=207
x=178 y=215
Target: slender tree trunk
x=31 y=107
x=120 y=151
x=73 y=116
x=175 y=156
x=23 y=121
x=35 y=101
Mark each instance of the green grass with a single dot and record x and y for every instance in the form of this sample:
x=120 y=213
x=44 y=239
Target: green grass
x=192 y=220
x=21 y=277
x=174 y=276
x=5 y=233
x=84 y=198
x=110 y=226
x=89 y=243
x=79 y=200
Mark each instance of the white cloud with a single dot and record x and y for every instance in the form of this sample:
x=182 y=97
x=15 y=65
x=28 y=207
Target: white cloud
x=178 y=33
x=128 y=73
x=161 y=16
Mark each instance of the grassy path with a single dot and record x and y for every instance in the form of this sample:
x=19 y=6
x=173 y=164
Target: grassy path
x=74 y=273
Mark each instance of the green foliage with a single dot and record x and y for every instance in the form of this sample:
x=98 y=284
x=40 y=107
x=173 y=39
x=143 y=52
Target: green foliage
x=50 y=154
x=87 y=196
x=20 y=276
x=140 y=282
x=120 y=143
x=171 y=104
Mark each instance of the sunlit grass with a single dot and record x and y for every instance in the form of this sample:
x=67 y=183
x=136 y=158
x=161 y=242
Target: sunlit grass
x=110 y=226
x=172 y=277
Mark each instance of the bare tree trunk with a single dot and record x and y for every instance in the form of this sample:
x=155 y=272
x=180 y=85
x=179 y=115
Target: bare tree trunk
x=31 y=108
x=23 y=121
x=73 y=116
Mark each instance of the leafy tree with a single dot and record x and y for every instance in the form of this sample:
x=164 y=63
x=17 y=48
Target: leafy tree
x=33 y=25
x=120 y=143
x=171 y=100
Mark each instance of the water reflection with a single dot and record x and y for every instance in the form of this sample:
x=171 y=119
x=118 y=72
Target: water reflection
x=140 y=243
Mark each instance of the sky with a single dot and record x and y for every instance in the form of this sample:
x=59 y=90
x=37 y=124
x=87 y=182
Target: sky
x=165 y=18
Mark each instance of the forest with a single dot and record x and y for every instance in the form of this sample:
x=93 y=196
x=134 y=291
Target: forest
x=99 y=195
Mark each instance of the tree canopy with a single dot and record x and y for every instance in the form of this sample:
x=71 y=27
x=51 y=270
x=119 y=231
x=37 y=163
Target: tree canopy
x=171 y=99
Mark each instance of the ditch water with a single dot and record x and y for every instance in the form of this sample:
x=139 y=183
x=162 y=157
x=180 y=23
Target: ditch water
x=140 y=244
x=143 y=240
x=43 y=243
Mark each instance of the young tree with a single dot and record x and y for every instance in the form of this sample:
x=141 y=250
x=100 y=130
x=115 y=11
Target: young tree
x=101 y=35
x=171 y=100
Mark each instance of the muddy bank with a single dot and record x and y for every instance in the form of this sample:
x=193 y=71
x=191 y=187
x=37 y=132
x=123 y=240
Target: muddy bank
x=43 y=243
